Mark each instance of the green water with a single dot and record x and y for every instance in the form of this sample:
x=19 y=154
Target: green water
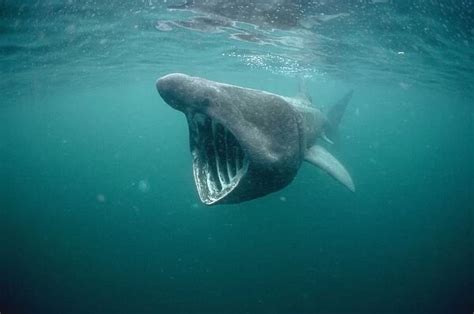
x=98 y=208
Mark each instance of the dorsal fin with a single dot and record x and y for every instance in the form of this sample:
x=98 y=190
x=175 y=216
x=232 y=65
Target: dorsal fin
x=320 y=157
x=303 y=89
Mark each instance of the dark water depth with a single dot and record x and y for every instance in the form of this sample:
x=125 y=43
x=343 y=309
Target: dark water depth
x=98 y=208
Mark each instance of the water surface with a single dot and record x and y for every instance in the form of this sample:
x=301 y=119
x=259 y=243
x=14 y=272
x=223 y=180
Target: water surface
x=98 y=209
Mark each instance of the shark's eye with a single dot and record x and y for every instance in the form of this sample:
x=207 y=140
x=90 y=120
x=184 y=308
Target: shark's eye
x=218 y=159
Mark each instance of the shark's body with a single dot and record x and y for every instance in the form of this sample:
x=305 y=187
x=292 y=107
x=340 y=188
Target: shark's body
x=247 y=143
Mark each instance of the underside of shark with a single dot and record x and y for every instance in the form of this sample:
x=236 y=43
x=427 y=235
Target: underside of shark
x=247 y=143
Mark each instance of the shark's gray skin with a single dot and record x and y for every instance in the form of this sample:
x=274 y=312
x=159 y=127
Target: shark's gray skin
x=247 y=143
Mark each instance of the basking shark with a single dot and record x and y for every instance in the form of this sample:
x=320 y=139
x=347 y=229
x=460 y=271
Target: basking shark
x=247 y=143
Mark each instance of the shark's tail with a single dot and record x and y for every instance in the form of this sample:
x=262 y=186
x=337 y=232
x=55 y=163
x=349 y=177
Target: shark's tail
x=320 y=157
x=335 y=113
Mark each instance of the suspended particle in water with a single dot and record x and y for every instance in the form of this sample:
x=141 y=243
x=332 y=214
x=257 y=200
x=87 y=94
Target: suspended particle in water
x=404 y=85
x=143 y=186
x=101 y=198
x=282 y=198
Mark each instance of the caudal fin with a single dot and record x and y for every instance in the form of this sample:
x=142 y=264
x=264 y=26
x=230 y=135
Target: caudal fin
x=335 y=113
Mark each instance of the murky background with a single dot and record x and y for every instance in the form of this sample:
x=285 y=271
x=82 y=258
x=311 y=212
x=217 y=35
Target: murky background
x=98 y=209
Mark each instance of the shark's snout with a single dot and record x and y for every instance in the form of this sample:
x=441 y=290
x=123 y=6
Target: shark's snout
x=187 y=93
x=172 y=88
x=171 y=81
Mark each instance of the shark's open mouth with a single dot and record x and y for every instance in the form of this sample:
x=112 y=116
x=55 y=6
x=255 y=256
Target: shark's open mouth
x=219 y=163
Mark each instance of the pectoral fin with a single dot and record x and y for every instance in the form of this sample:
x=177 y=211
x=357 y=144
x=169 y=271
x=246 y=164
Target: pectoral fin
x=320 y=157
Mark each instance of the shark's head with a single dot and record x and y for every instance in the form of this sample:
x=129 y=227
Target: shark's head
x=244 y=143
